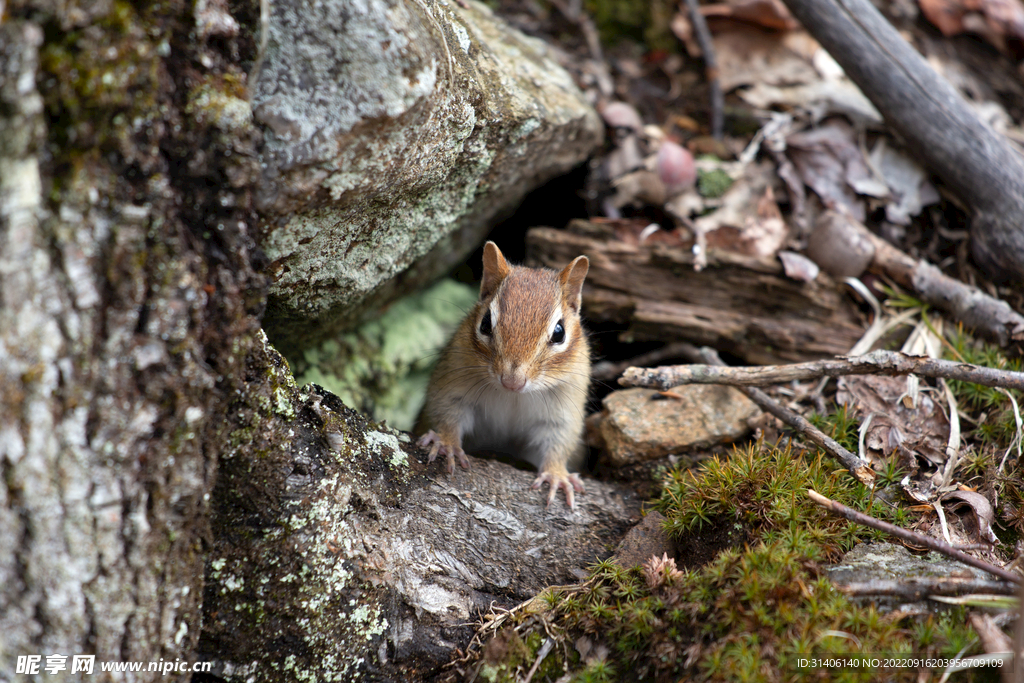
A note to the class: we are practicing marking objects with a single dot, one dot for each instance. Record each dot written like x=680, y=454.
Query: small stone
x=838, y=245
x=640, y=424
x=644, y=541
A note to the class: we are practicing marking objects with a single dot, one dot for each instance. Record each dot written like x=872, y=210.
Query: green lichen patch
x=383, y=367
x=286, y=566
x=222, y=102
x=713, y=183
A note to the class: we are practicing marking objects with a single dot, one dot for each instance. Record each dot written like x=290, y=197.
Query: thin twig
x=911, y=536
x=703, y=36
x=879, y=362
x=990, y=317
x=857, y=466
x=920, y=587
x=549, y=643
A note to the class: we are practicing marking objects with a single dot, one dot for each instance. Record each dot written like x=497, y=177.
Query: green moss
x=640, y=20
x=100, y=85
x=765, y=490
x=989, y=424
x=841, y=426
x=998, y=426
x=713, y=184
x=753, y=612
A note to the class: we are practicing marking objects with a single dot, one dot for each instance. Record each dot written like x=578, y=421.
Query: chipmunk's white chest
x=517, y=423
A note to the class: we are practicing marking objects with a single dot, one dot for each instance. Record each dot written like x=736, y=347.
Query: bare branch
x=875, y=363
x=707, y=46
x=606, y=370
x=857, y=466
x=911, y=536
x=920, y=587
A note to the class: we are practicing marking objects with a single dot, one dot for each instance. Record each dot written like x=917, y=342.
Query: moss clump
x=752, y=613
x=764, y=489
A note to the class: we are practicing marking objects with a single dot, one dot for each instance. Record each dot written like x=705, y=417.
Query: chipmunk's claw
x=450, y=451
x=560, y=480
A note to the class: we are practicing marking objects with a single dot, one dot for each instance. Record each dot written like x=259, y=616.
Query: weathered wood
x=335, y=549
x=740, y=305
x=977, y=163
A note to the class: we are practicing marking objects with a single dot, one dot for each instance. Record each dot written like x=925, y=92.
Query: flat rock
x=883, y=564
x=396, y=134
x=640, y=424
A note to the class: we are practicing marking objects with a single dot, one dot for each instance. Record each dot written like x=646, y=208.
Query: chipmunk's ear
x=571, y=278
x=496, y=268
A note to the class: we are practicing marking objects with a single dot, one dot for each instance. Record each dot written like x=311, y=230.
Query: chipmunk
x=514, y=377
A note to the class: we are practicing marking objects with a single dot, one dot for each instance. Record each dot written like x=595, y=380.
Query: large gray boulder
x=397, y=133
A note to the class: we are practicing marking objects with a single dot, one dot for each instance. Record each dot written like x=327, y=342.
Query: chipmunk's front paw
x=439, y=445
x=560, y=480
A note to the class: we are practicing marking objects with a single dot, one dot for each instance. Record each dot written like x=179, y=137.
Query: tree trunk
x=127, y=306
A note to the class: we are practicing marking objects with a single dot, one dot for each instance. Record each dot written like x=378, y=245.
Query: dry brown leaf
x=768, y=13
x=895, y=427
x=747, y=55
x=749, y=220
x=830, y=162
x=907, y=181
x=995, y=20
x=982, y=509
x=946, y=15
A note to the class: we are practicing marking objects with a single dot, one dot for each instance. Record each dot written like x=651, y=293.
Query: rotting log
x=338, y=555
x=740, y=305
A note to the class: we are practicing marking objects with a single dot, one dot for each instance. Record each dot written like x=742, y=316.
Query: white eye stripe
x=491, y=317
x=556, y=318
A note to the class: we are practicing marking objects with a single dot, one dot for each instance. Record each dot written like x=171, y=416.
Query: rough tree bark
x=127, y=305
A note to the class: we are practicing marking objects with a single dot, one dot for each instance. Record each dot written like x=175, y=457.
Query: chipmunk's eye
x=485, y=325
x=558, y=334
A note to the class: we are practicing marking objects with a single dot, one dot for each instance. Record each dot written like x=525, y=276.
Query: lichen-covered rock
x=396, y=133
x=641, y=424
